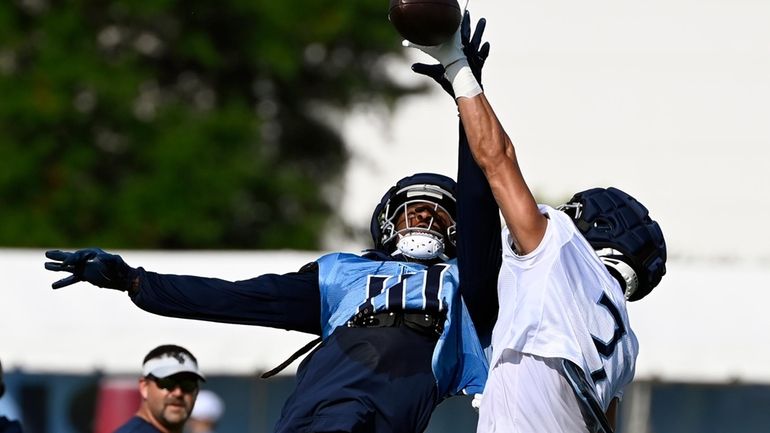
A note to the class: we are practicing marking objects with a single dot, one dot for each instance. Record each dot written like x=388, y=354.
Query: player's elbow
x=497, y=161
x=492, y=151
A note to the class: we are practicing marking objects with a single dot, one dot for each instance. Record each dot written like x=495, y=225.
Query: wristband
x=463, y=82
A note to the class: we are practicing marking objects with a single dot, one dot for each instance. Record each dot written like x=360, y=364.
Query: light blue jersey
x=350, y=284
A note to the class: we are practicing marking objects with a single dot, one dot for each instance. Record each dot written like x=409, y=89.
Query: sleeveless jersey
x=559, y=301
x=351, y=283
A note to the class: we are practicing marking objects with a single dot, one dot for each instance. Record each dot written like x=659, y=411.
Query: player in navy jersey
x=563, y=348
x=397, y=338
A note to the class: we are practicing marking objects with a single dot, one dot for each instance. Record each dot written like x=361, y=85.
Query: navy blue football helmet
x=624, y=236
x=434, y=238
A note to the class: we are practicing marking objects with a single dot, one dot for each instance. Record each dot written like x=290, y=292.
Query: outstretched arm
x=494, y=152
x=290, y=301
x=478, y=242
x=478, y=218
x=489, y=143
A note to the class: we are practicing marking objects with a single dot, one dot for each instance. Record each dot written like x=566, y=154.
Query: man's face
x=425, y=215
x=170, y=400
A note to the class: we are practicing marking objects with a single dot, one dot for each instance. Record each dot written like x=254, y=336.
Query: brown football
x=425, y=22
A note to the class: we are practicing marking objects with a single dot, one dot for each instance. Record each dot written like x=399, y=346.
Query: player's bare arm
x=494, y=152
x=489, y=143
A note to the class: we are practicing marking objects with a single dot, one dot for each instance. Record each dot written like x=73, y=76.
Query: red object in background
x=117, y=401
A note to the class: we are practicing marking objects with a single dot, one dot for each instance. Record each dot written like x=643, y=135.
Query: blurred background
x=235, y=138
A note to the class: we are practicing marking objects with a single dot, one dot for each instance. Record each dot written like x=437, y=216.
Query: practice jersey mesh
x=559, y=301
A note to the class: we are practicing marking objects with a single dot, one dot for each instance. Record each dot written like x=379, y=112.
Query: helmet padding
x=611, y=219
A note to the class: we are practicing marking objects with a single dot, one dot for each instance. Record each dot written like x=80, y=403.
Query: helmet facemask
x=428, y=237
x=617, y=264
x=420, y=229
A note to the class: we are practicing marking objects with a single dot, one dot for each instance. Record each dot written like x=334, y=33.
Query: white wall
x=707, y=321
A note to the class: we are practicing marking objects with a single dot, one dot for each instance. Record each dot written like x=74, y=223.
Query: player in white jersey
x=559, y=308
x=563, y=348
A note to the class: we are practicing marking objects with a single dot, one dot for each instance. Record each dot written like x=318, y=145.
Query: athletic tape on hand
x=463, y=82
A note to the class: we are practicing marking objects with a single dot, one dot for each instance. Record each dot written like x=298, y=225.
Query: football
x=425, y=22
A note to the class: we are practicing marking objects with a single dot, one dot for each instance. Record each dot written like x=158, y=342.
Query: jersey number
x=606, y=349
x=430, y=282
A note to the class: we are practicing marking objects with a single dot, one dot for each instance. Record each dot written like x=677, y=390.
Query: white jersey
x=559, y=301
x=529, y=394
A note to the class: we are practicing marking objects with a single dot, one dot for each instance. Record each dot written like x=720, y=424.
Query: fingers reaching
x=479, y=33
x=64, y=282
x=54, y=266
x=436, y=72
x=56, y=255
x=65, y=262
x=433, y=71
x=484, y=51
x=465, y=28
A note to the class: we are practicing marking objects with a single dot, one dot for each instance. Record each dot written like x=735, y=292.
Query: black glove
x=92, y=265
x=475, y=53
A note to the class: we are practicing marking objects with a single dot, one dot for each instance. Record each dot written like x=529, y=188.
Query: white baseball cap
x=208, y=406
x=169, y=364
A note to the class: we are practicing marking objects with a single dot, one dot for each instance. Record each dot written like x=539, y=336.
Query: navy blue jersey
x=8, y=426
x=350, y=284
x=291, y=301
x=325, y=296
x=373, y=380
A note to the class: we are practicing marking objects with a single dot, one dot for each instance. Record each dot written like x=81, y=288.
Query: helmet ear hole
x=603, y=225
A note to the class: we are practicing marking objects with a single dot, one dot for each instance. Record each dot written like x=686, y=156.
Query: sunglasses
x=171, y=383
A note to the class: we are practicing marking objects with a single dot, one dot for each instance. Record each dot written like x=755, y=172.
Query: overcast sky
x=666, y=99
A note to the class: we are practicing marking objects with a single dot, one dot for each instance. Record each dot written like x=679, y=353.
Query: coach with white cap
x=169, y=386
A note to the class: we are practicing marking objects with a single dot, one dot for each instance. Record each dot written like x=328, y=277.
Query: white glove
x=476, y=402
x=450, y=55
x=447, y=53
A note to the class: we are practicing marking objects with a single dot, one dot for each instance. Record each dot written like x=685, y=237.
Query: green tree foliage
x=180, y=123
